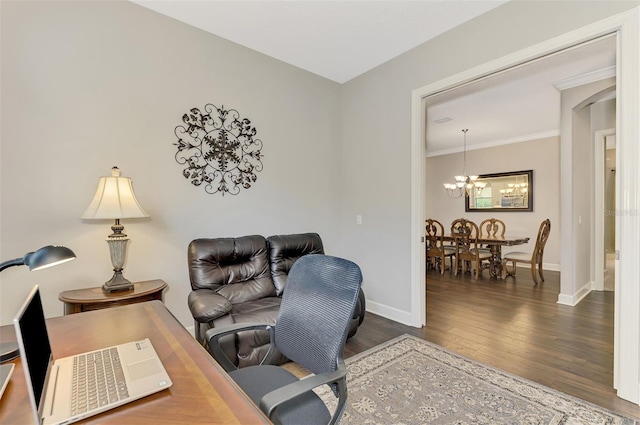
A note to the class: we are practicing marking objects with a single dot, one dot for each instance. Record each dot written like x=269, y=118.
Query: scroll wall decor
x=219, y=150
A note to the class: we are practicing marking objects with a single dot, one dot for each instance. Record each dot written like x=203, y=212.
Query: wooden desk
x=79, y=300
x=202, y=393
x=495, y=246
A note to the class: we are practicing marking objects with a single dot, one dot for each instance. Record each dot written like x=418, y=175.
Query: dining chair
x=466, y=234
x=492, y=227
x=437, y=251
x=534, y=259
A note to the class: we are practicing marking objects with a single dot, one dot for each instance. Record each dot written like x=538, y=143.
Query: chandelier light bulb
x=464, y=183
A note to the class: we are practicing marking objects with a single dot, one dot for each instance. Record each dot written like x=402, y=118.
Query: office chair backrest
x=311, y=328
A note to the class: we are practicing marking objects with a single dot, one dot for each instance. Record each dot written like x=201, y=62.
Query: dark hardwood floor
x=518, y=327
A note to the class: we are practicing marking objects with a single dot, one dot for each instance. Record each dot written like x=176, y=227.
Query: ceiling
x=517, y=105
x=340, y=40
x=335, y=39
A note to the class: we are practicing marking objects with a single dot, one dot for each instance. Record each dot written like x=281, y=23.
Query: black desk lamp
x=47, y=256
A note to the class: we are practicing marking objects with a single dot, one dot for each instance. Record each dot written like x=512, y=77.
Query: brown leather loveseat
x=241, y=280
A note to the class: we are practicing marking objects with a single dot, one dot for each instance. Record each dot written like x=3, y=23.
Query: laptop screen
x=31, y=331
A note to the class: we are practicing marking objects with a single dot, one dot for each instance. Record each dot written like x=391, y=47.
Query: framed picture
x=512, y=191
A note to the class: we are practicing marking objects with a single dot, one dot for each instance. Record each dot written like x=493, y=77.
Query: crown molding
x=494, y=143
x=582, y=79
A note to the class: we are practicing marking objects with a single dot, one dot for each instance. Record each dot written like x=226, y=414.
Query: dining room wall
x=540, y=155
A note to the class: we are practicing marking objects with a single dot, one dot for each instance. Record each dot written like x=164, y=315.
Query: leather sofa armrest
x=213, y=336
x=207, y=305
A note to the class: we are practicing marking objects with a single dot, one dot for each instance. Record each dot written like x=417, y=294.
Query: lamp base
x=8, y=351
x=117, y=283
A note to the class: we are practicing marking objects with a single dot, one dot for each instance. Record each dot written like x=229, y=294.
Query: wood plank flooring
x=518, y=327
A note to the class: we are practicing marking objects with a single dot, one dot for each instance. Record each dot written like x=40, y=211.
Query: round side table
x=79, y=300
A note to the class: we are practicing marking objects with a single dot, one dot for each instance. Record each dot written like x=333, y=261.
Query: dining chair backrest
x=541, y=241
x=534, y=259
x=437, y=252
x=492, y=227
x=434, y=233
x=466, y=235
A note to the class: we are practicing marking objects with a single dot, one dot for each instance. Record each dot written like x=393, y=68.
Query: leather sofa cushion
x=236, y=268
x=252, y=345
x=284, y=250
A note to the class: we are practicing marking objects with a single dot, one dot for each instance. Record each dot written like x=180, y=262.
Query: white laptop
x=51, y=385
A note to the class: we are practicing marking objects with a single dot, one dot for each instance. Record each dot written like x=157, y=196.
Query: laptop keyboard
x=98, y=381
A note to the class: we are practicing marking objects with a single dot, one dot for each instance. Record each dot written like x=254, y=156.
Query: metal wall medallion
x=219, y=150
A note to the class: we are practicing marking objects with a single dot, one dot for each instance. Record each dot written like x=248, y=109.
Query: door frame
x=599, y=216
x=627, y=298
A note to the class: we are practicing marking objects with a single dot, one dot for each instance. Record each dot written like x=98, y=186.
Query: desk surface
x=201, y=393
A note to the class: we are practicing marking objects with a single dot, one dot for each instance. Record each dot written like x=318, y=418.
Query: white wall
x=577, y=135
x=542, y=156
x=89, y=85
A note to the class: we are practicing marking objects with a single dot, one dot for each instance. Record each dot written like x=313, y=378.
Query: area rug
x=409, y=381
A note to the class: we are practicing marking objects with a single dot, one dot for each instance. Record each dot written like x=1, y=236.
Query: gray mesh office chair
x=311, y=330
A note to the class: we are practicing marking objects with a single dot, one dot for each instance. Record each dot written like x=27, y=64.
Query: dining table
x=495, y=244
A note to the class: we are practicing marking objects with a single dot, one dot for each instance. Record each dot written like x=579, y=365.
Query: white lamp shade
x=114, y=199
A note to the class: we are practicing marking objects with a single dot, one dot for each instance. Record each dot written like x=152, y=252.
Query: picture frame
x=501, y=192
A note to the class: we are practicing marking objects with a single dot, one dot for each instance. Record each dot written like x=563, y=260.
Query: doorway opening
x=605, y=210
x=626, y=25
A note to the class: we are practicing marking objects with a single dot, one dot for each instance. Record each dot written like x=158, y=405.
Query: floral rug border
x=563, y=409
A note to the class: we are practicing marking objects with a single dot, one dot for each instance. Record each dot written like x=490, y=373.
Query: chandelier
x=464, y=183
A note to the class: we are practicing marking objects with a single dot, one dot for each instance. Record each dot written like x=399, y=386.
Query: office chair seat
x=257, y=381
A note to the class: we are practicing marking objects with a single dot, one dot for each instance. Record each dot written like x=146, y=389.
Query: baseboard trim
x=390, y=313
x=573, y=300
x=191, y=329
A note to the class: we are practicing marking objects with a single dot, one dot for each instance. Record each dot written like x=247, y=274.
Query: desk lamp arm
x=15, y=262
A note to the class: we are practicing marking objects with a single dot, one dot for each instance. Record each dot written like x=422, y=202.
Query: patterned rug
x=410, y=381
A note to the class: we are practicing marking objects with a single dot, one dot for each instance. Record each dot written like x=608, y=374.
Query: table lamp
x=47, y=256
x=114, y=199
